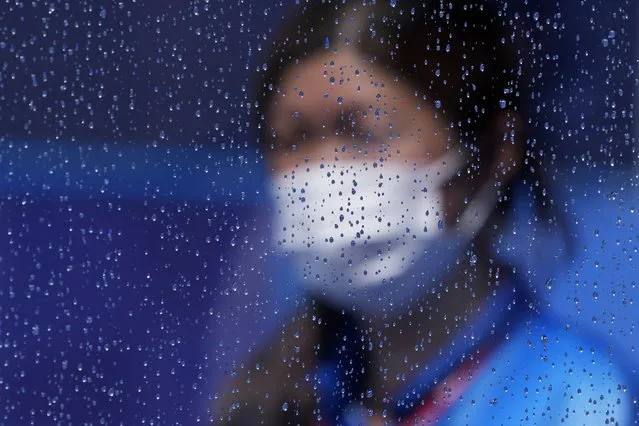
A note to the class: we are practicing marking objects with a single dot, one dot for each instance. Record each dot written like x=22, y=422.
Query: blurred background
x=133, y=266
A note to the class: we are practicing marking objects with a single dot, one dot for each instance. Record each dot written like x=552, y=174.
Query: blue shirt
x=533, y=370
x=546, y=375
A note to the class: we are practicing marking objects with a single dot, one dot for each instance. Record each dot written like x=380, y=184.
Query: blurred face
x=373, y=194
x=335, y=108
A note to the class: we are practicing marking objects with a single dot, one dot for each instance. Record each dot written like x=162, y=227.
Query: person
x=395, y=138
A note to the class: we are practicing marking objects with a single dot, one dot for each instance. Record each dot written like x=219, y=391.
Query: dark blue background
x=133, y=216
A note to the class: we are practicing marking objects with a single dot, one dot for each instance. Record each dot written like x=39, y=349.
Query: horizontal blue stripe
x=135, y=170
x=119, y=170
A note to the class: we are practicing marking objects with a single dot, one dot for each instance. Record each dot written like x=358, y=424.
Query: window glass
x=318, y=212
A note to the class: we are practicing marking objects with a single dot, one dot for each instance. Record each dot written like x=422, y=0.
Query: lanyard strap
x=433, y=392
x=468, y=351
x=443, y=397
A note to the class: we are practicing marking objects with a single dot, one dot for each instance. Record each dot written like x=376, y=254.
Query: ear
x=508, y=159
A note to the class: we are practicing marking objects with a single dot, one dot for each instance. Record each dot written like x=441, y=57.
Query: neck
x=404, y=344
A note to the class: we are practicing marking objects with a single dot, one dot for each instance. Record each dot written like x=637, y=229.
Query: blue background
x=132, y=216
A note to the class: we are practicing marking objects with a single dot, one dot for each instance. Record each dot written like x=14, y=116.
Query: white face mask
x=372, y=236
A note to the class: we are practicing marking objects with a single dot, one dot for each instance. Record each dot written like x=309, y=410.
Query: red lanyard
x=448, y=391
x=443, y=397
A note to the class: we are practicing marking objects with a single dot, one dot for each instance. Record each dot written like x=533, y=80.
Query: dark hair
x=457, y=55
x=461, y=56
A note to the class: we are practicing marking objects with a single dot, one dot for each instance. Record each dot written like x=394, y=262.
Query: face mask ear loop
x=450, y=164
x=479, y=209
x=476, y=214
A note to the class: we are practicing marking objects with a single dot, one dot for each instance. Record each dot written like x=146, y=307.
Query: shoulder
x=270, y=386
x=548, y=374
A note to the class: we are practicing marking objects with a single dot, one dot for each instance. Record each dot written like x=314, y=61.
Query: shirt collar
x=488, y=328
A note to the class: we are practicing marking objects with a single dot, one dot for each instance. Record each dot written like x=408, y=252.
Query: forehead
x=342, y=98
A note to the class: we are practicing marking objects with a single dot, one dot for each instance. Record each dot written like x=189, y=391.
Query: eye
x=361, y=133
x=349, y=126
x=305, y=134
